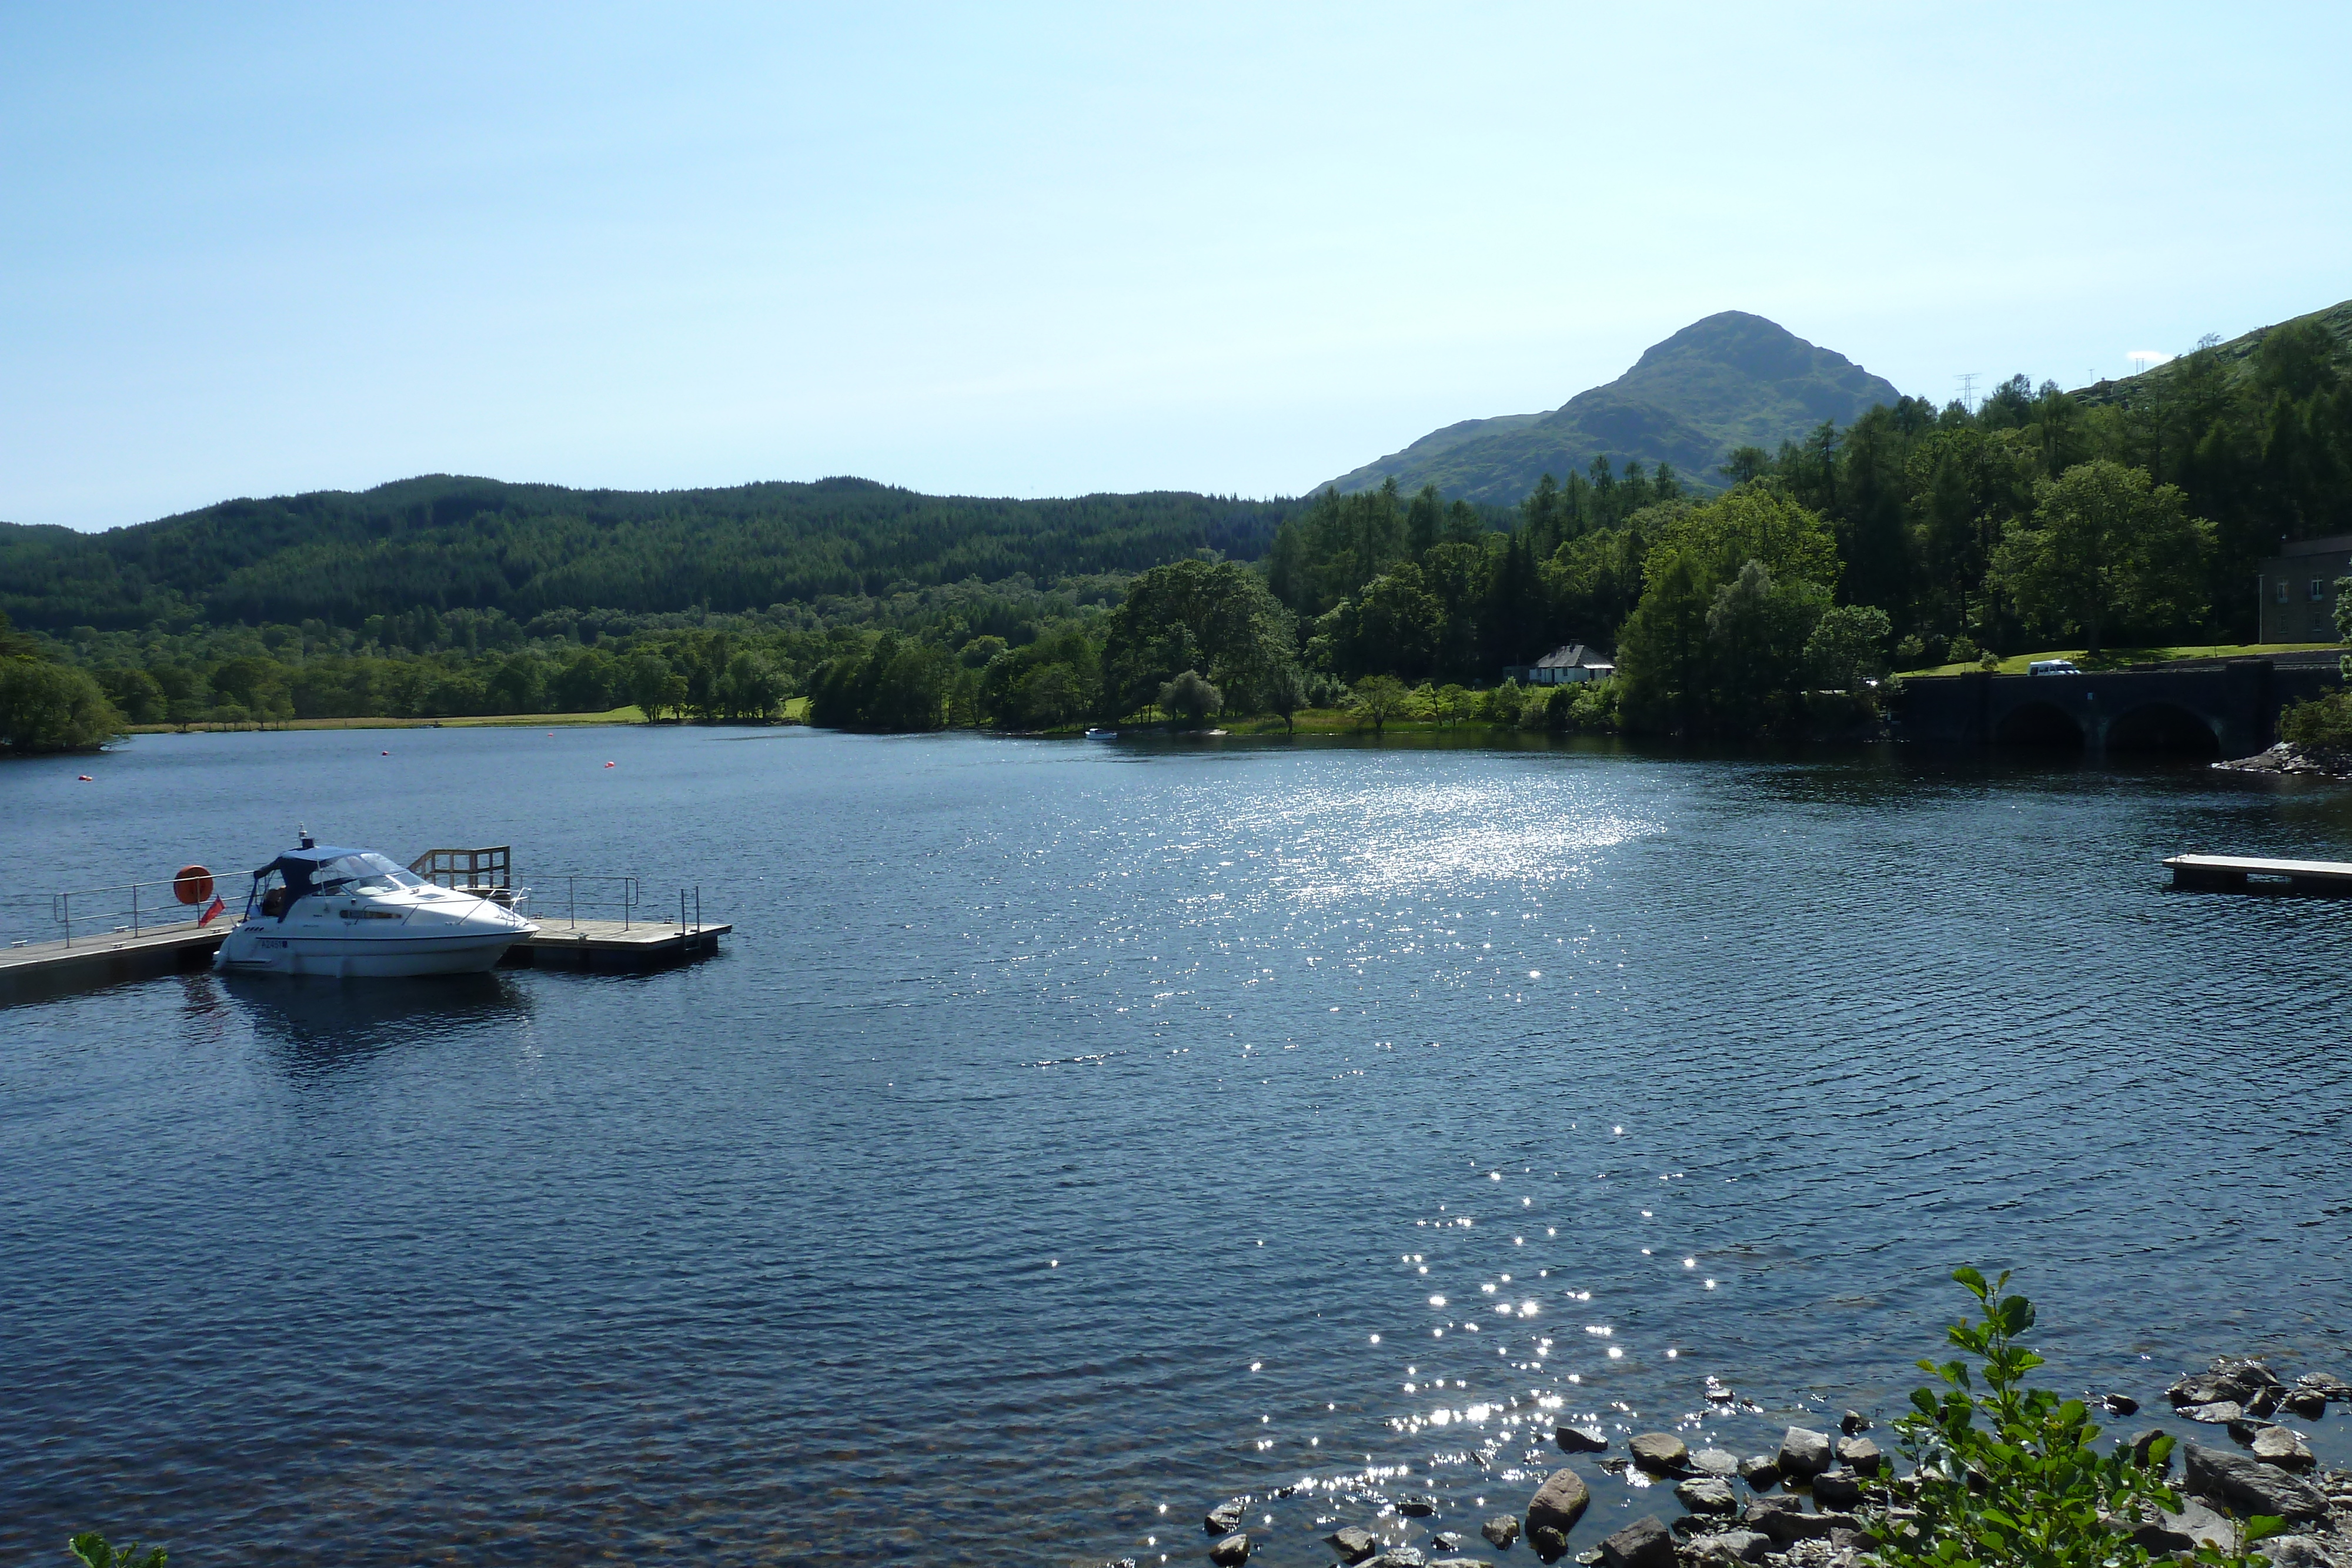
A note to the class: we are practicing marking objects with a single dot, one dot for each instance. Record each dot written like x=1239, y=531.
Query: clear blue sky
x=1026, y=250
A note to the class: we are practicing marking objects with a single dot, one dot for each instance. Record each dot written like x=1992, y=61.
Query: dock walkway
x=48, y=967
x=2252, y=874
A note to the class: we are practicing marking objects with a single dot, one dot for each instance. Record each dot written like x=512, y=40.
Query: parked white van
x=2053, y=667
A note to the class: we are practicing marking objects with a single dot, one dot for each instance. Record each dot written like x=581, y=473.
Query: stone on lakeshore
x=2143, y=1441
x=1836, y=1489
x=2308, y=1403
x=1853, y=1421
x=1719, y=1462
x=1419, y=1507
x=1644, y=1543
x=2120, y=1405
x=1231, y=1553
x=1861, y=1455
x=1444, y=1541
x=1550, y=1543
x=1353, y=1543
x=2215, y=1413
x=1805, y=1452
x=1760, y=1471
x=1398, y=1557
x=2195, y=1525
x=1500, y=1532
x=2282, y=1447
x=1581, y=1439
x=1459, y=1562
x=1708, y=1494
x=1558, y=1504
x=2326, y=1387
x=2249, y=1486
x=1226, y=1517
x=2263, y=1401
x=1659, y=1453
x=2299, y=1552
x=1733, y=1546
x=2196, y=1388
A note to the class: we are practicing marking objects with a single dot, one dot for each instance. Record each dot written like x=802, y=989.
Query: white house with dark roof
x=1564, y=666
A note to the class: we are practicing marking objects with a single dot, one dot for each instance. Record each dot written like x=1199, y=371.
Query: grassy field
x=2116, y=658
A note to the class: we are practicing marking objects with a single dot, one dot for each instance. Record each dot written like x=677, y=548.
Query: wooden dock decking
x=50, y=968
x=104, y=958
x=2252, y=874
x=609, y=944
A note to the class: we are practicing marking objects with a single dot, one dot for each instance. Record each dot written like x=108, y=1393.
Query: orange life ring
x=194, y=884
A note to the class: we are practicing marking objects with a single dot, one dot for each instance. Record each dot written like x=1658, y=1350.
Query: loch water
x=1072, y=1135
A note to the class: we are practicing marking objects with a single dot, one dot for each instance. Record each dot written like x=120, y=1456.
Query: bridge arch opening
x=2165, y=727
x=2038, y=723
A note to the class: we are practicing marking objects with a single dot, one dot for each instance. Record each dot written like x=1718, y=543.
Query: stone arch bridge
x=2220, y=708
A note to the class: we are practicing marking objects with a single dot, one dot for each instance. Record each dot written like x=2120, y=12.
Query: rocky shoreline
x=1753, y=1509
x=2288, y=758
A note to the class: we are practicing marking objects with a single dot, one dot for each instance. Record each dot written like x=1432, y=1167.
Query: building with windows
x=2297, y=590
x=1564, y=666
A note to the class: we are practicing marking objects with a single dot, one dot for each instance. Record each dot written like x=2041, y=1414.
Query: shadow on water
x=314, y=1026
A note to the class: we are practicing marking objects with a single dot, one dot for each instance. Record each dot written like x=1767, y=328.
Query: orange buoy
x=193, y=884
x=611, y=765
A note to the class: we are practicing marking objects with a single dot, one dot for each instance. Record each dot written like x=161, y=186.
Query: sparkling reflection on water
x=1072, y=1133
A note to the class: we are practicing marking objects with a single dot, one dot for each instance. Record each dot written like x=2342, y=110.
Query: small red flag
x=206, y=917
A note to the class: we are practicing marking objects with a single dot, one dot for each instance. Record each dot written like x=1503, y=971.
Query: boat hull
x=251, y=951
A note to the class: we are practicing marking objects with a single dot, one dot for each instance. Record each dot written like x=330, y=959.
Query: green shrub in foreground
x=2011, y=1475
x=92, y=1549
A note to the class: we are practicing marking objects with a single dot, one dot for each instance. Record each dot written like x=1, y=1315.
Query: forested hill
x=1732, y=380
x=2226, y=364
x=448, y=542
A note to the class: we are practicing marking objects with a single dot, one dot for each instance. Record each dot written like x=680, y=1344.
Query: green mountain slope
x=1732, y=380
x=449, y=542
x=2236, y=356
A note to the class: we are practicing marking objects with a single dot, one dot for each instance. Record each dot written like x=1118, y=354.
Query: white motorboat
x=321, y=910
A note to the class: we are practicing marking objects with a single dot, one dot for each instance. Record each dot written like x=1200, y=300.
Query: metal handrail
x=125, y=902
x=596, y=889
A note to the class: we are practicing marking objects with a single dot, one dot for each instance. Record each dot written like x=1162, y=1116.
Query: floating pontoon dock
x=569, y=911
x=2250, y=873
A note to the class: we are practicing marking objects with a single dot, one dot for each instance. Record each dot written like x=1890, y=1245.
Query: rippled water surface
x=1072, y=1131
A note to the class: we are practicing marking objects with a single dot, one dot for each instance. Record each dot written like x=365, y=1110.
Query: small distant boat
x=323, y=910
x=1101, y=734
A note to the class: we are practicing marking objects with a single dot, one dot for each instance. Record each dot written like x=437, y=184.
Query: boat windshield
x=365, y=873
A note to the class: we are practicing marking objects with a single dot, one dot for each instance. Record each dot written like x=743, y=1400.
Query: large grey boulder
x=1398, y=1557
x=1559, y=1503
x=2282, y=1447
x=1861, y=1455
x=1805, y=1452
x=2195, y=1525
x=1417, y=1507
x=1226, y=1517
x=1644, y=1543
x=1459, y=1562
x=1550, y=1544
x=1500, y=1532
x=1231, y=1553
x=2218, y=1413
x=1708, y=1494
x=1581, y=1439
x=1760, y=1471
x=1852, y=1422
x=1716, y=1462
x=2248, y=1486
x=1661, y=1453
x=1837, y=1490
x=1353, y=1543
x=1732, y=1546
x=2300, y=1551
